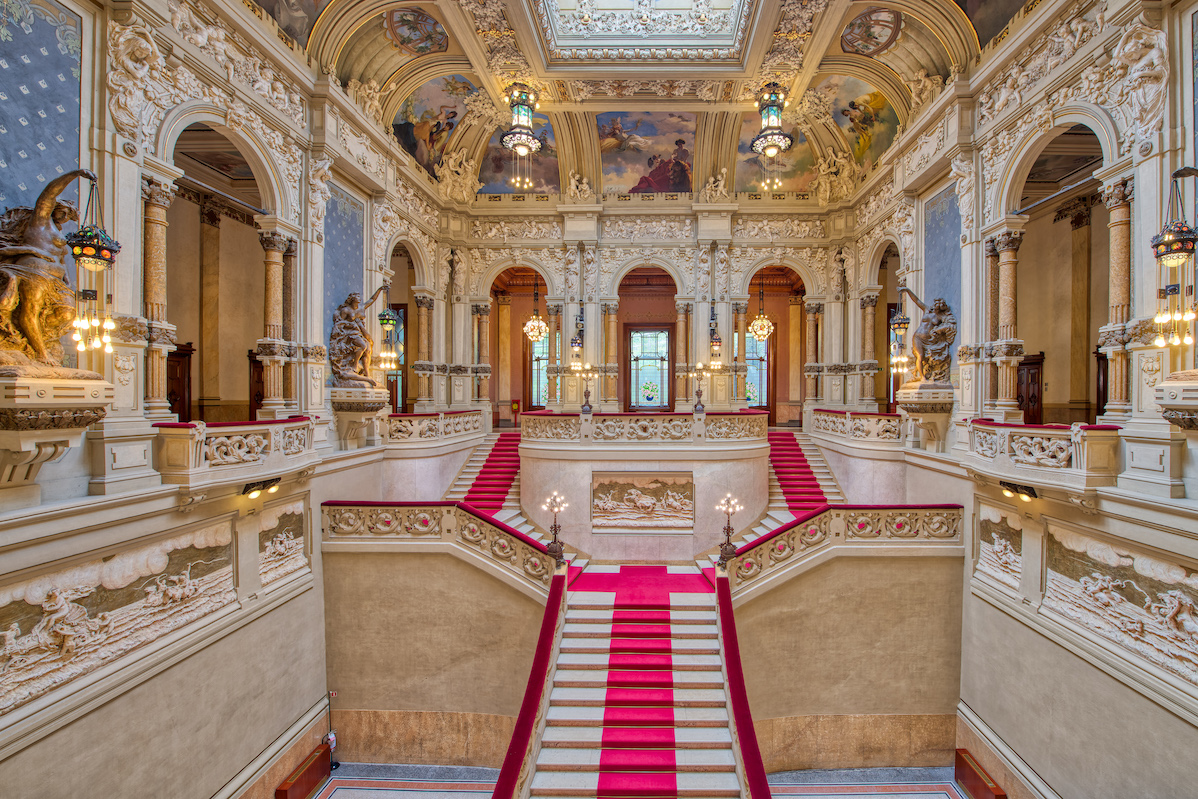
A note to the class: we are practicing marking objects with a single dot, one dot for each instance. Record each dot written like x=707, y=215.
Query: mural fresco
x=344, y=250
x=989, y=17
x=942, y=251
x=429, y=116
x=869, y=122
x=62, y=625
x=295, y=17
x=798, y=163
x=646, y=151
x=413, y=32
x=657, y=500
x=1128, y=597
x=871, y=32
x=496, y=171
x=39, y=99
x=1000, y=536
x=281, y=541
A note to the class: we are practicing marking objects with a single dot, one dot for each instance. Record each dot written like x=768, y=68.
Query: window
x=538, y=372
x=757, y=365
x=649, y=353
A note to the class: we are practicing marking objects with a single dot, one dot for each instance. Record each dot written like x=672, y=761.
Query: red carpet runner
x=495, y=479
x=638, y=707
x=797, y=481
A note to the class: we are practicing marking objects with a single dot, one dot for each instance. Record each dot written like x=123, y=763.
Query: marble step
x=676, y=717
x=629, y=759
x=638, y=697
x=604, y=678
x=605, y=616
x=603, y=661
x=630, y=630
x=683, y=737
x=682, y=784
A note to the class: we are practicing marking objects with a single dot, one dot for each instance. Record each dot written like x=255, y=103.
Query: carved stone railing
x=195, y=454
x=858, y=426
x=452, y=523
x=933, y=527
x=621, y=429
x=423, y=429
x=1076, y=457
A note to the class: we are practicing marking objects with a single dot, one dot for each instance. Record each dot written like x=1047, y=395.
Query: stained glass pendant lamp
x=772, y=141
x=1173, y=249
x=535, y=328
x=95, y=251
x=520, y=139
x=761, y=327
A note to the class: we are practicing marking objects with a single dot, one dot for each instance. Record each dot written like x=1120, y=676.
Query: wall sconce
x=716, y=342
x=576, y=341
x=1012, y=490
x=254, y=490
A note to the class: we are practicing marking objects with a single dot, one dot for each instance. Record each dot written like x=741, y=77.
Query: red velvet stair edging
x=490, y=488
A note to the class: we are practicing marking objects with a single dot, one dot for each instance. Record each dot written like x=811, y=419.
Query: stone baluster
x=270, y=346
x=157, y=199
x=991, y=320
x=740, y=311
x=680, y=350
x=483, y=314
x=869, y=320
x=424, y=313
x=610, y=349
x=1009, y=349
x=1112, y=337
x=554, y=312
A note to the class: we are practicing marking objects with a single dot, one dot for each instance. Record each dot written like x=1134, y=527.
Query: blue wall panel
x=942, y=253
x=344, y=255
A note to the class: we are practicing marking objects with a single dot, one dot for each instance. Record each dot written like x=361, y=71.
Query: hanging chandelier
x=1173, y=249
x=899, y=322
x=535, y=328
x=388, y=319
x=95, y=251
x=761, y=327
x=772, y=141
x=520, y=139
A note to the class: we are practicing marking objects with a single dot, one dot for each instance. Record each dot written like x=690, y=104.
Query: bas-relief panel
x=428, y=117
x=1134, y=600
x=865, y=116
x=1000, y=539
x=281, y=541
x=646, y=151
x=39, y=98
x=656, y=501
x=499, y=165
x=797, y=164
x=344, y=251
x=942, y=251
x=63, y=624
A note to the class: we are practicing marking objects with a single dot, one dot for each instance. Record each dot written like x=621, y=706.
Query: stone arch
x=681, y=285
x=488, y=277
x=267, y=173
x=1028, y=149
x=871, y=260
x=813, y=286
x=421, y=260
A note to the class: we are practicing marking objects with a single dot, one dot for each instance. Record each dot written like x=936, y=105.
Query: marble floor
x=372, y=781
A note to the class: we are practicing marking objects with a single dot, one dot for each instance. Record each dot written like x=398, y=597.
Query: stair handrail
x=820, y=509
x=738, y=697
x=514, y=780
x=440, y=503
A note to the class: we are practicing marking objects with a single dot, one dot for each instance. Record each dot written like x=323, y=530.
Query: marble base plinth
x=930, y=407
x=356, y=411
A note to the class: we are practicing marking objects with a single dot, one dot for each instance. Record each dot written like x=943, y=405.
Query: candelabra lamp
x=555, y=504
x=728, y=506
x=697, y=374
x=587, y=373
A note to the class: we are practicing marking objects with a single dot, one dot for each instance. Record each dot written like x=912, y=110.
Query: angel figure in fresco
x=863, y=114
x=615, y=138
x=350, y=345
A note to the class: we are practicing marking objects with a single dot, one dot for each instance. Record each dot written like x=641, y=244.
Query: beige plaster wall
x=856, y=663
x=190, y=729
x=425, y=651
x=1085, y=733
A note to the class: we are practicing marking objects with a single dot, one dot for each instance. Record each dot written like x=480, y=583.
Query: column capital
x=681, y=307
x=503, y=299
x=424, y=302
x=292, y=249
x=273, y=241
x=815, y=308
x=869, y=300
x=740, y=307
x=553, y=309
x=795, y=299
x=610, y=307
x=1009, y=240
x=156, y=192
x=1077, y=211
x=1120, y=192
x=210, y=212
x=991, y=248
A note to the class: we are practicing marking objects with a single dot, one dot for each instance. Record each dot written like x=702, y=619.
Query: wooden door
x=178, y=380
x=257, y=386
x=1031, y=388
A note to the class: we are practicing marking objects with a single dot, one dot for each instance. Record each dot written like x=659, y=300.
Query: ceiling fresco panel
x=498, y=164
x=798, y=163
x=428, y=117
x=646, y=151
x=866, y=117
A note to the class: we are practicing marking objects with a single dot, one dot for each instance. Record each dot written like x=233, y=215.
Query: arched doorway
x=1061, y=282
x=400, y=385
x=650, y=342
x=216, y=283
x=773, y=379
x=889, y=304
x=523, y=372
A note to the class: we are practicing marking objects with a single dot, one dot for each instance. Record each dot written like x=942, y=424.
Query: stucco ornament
x=319, y=192
x=923, y=88
x=932, y=341
x=350, y=343
x=579, y=189
x=458, y=177
x=368, y=96
x=962, y=172
x=36, y=304
x=716, y=188
x=1144, y=53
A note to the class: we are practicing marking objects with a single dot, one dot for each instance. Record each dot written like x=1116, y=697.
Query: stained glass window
x=757, y=378
x=649, y=351
x=539, y=379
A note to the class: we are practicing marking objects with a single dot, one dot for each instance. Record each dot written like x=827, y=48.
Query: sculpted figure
x=36, y=304
x=931, y=343
x=350, y=345
x=1143, y=51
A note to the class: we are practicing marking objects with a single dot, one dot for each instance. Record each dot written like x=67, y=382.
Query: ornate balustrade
x=933, y=527
x=858, y=426
x=423, y=429
x=195, y=454
x=604, y=429
x=452, y=523
x=1077, y=457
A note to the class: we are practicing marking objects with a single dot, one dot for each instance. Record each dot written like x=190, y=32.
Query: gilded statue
x=36, y=303
x=932, y=341
x=350, y=344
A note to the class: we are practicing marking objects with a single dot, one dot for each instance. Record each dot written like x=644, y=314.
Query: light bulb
x=1159, y=341
x=1006, y=492
x=1177, y=316
x=109, y=324
x=82, y=347
x=1189, y=315
x=1159, y=318
x=771, y=151
x=1188, y=339
x=1174, y=339
x=95, y=320
x=108, y=348
x=76, y=337
x=521, y=150
x=272, y=490
x=106, y=338
x=255, y=494
x=95, y=343
x=1025, y=497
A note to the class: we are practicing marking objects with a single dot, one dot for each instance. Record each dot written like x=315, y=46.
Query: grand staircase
x=638, y=706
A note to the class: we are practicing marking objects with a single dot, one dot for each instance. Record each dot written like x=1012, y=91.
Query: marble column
x=157, y=199
x=1112, y=338
x=611, y=350
x=503, y=386
x=554, y=312
x=991, y=321
x=1009, y=349
x=208, y=348
x=814, y=309
x=869, y=320
x=740, y=312
x=423, y=365
x=291, y=365
x=680, y=358
x=483, y=315
x=270, y=346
